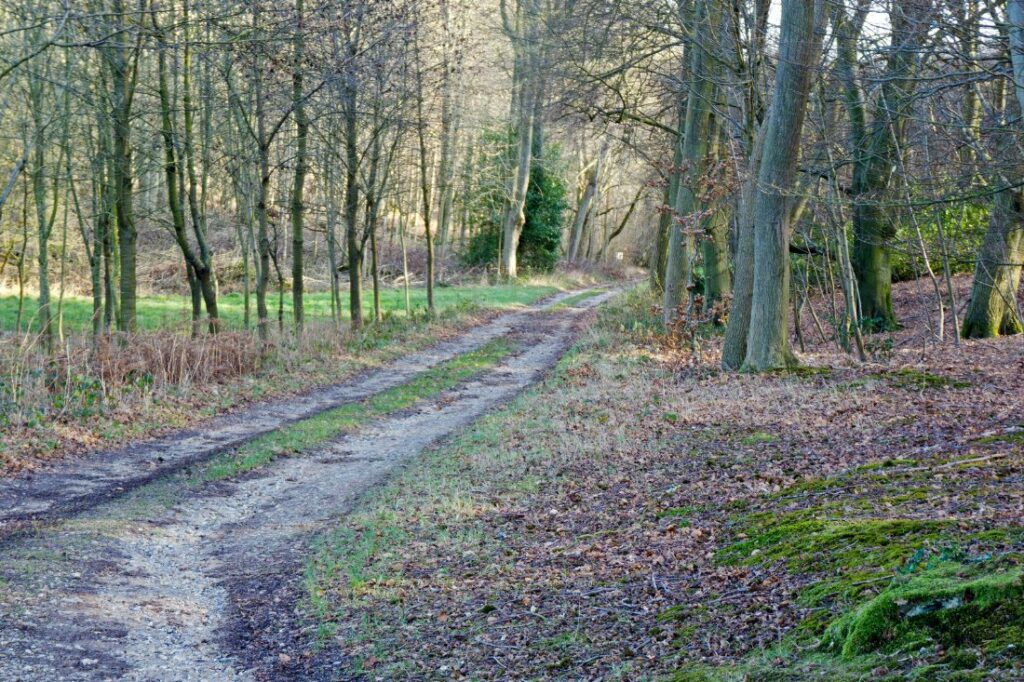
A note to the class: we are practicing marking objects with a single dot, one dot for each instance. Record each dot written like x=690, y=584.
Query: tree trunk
x=524, y=105
x=585, y=208
x=659, y=257
x=993, y=308
x=301, y=133
x=874, y=151
x=696, y=143
x=123, y=84
x=799, y=49
x=353, y=243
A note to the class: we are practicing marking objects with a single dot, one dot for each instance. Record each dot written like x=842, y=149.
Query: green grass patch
x=307, y=433
x=1010, y=436
x=576, y=299
x=168, y=312
x=917, y=380
x=757, y=437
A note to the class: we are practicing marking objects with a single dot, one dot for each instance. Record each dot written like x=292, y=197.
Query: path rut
x=154, y=584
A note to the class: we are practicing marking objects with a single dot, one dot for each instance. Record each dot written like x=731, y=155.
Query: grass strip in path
x=331, y=424
x=576, y=299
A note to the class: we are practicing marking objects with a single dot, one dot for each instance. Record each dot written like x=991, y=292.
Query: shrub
x=545, y=208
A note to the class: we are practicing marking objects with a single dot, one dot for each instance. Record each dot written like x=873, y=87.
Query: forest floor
x=182, y=558
x=637, y=515
x=641, y=515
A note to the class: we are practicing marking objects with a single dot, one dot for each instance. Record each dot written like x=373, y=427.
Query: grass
x=435, y=503
x=348, y=417
x=576, y=299
x=164, y=311
x=128, y=410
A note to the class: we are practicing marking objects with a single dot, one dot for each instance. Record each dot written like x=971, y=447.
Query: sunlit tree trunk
x=993, y=308
x=799, y=49
x=523, y=33
x=699, y=133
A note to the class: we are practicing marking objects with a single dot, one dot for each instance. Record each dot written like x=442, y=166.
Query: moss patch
x=952, y=606
x=918, y=380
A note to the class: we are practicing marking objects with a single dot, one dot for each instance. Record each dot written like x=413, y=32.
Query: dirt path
x=77, y=485
x=163, y=583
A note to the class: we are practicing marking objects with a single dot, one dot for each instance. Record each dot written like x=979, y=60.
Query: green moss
x=803, y=371
x=886, y=464
x=943, y=606
x=757, y=437
x=1011, y=436
x=699, y=674
x=824, y=544
x=913, y=379
x=677, y=512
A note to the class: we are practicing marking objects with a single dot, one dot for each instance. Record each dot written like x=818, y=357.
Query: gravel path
x=76, y=485
x=165, y=582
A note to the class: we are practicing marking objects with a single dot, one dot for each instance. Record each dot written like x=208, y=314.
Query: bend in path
x=76, y=485
x=207, y=590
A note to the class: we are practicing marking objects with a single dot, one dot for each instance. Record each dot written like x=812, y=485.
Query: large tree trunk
x=451, y=65
x=515, y=214
x=44, y=218
x=993, y=308
x=524, y=108
x=875, y=148
x=715, y=247
x=204, y=269
x=583, y=211
x=799, y=50
x=659, y=255
x=353, y=243
x=122, y=76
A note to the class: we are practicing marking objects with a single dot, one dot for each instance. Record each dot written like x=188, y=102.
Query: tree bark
x=993, y=308
x=301, y=133
x=799, y=49
x=875, y=148
x=699, y=132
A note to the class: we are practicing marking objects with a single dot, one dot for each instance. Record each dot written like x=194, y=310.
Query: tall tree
x=874, y=145
x=993, y=309
x=800, y=40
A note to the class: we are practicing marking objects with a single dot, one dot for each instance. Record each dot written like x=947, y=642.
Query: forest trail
x=141, y=575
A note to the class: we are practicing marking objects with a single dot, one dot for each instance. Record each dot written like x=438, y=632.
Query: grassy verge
x=331, y=424
x=637, y=517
